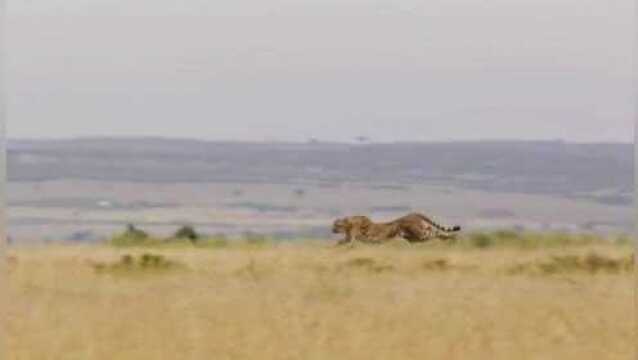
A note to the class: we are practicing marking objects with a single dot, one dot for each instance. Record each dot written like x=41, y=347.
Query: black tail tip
x=456, y=228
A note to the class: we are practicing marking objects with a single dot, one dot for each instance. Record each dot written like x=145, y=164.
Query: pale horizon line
x=312, y=140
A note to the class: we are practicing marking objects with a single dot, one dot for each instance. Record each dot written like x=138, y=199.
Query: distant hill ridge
x=602, y=172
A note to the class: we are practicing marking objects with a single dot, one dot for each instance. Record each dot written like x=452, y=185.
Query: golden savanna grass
x=313, y=301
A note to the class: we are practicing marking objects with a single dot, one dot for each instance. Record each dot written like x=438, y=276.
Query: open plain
x=311, y=300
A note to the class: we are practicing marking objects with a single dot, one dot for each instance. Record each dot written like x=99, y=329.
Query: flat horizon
x=308, y=141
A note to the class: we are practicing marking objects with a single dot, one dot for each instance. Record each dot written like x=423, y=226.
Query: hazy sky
x=328, y=69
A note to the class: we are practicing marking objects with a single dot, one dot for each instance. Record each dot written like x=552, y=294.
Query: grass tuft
x=436, y=265
x=368, y=264
x=592, y=263
x=129, y=264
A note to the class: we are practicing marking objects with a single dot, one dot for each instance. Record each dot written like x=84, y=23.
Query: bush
x=187, y=232
x=133, y=232
x=132, y=236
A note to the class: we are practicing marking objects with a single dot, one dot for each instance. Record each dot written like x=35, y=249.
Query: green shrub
x=132, y=236
x=187, y=232
x=133, y=232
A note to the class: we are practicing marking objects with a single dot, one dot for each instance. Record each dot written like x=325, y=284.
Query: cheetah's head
x=344, y=225
x=340, y=226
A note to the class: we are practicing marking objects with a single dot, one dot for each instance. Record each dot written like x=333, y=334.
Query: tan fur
x=413, y=227
x=354, y=227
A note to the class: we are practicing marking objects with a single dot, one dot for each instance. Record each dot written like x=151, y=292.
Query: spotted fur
x=414, y=227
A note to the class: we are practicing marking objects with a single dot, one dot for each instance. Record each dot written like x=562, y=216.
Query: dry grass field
x=313, y=301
